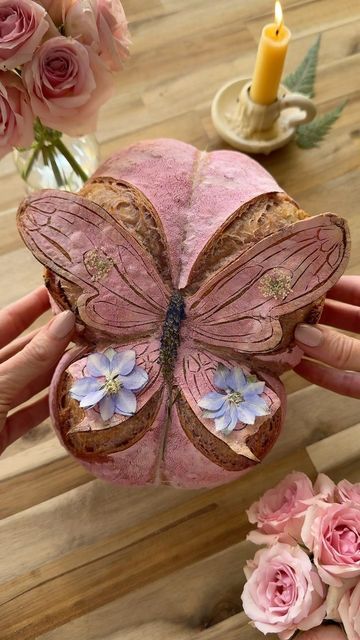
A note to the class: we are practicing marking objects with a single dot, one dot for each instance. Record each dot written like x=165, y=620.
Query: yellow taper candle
x=270, y=59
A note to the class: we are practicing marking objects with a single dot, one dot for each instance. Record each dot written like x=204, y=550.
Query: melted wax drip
x=170, y=338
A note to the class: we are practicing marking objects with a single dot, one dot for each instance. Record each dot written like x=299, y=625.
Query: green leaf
x=303, y=78
x=309, y=135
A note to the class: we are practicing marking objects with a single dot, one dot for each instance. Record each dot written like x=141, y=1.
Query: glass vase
x=57, y=161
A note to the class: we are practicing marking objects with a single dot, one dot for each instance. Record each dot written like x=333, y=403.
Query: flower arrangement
x=57, y=64
x=307, y=578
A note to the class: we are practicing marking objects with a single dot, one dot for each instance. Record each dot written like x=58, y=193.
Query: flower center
x=235, y=397
x=112, y=385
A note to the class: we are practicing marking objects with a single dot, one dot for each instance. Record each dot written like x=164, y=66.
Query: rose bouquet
x=307, y=577
x=57, y=64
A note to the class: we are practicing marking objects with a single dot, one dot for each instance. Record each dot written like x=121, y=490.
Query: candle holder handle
x=257, y=128
x=306, y=110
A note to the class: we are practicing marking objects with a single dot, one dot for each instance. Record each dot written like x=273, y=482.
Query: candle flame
x=278, y=15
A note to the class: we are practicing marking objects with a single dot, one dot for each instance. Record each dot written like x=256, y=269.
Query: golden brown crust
x=92, y=444
x=217, y=450
x=134, y=212
x=253, y=222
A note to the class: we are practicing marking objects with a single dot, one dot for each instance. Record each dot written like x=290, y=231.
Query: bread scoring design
x=133, y=279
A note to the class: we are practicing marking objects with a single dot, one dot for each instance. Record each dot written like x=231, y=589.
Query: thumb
x=331, y=347
x=38, y=357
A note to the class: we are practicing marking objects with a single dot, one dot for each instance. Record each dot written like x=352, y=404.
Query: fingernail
x=308, y=335
x=62, y=324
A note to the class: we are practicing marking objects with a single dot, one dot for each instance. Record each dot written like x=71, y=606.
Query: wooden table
x=81, y=560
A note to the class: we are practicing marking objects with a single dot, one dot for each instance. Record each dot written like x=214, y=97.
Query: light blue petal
x=98, y=364
x=107, y=407
x=110, y=353
x=91, y=399
x=215, y=414
x=220, y=377
x=125, y=402
x=258, y=407
x=123, y=363
x=236, y=379
x=228, y=422
x=84, y=386
x=212, y=401
x=136, y=380
x=245, y=414
x=254, y=388
x=253, y=398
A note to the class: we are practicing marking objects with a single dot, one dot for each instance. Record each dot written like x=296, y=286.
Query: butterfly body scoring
x=179, y=336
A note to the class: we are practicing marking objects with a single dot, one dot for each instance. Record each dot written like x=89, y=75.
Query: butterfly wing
x=228, y=453
x=125, y=448
x=121, y=290
x=241, y=306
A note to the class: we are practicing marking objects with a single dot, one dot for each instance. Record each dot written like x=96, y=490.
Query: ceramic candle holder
x=257, y=128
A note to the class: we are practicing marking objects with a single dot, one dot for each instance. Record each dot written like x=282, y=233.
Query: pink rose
x=56, y=9
x=334, y=596
x=280, y=512
x=16, y=117
x=23, y=25
x=324, y=487
x=349, y=610
x=348, y=492
x=283, y=591
x=67, y=84
x=332, y=533
x=102, y=25
x=326, y=632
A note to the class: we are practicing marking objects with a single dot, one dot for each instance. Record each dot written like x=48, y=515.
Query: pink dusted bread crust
x=193, y=201
x=195, y=193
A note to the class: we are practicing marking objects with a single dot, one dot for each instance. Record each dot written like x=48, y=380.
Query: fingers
x=22, y=421
x=328, y=632
x=342, y=316
x=18, y=316
x=16, y=345
x=347, y=383
x=330, y=347
x=346, y=290
x=33, y=365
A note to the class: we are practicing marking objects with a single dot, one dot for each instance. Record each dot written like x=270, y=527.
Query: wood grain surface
x=87, y=561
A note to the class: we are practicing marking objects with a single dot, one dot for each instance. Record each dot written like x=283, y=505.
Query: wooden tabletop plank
x=82, y=559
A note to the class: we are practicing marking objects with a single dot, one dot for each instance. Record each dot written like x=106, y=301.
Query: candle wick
x=277, y=31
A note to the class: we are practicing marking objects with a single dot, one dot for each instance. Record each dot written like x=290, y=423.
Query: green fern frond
x=302, y=79
x=309, y=135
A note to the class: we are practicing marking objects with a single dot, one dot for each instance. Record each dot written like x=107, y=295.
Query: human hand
x=28, y=363
x=326, y=632
x=329, y=347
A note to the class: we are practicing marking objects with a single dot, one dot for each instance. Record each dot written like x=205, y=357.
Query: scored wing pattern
x=82, y=243
x=243, y=304
x=237, y=312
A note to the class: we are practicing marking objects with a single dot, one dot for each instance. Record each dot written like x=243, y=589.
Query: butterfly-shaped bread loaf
x=188, y=272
